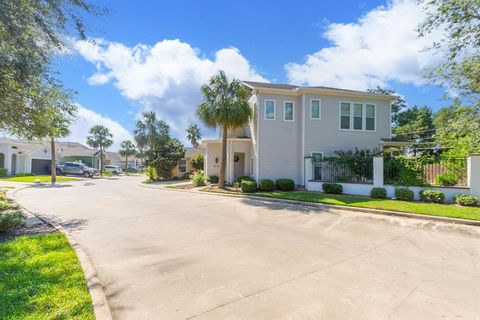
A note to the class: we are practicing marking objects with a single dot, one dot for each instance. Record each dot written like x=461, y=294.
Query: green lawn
x=41, y=278
x=31, y=179
x=443, y=210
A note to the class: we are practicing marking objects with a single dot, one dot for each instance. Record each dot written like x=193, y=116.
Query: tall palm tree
x=149, y=131
x=100, y=138
x=225, y=105
x=194, y=135
x=127, y=148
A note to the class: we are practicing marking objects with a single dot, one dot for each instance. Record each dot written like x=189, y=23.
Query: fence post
x=378, y=171
x=308, y=174
x=473, y=174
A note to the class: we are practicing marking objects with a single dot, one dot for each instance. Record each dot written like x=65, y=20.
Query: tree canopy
x=100, y=138
x=194, y=135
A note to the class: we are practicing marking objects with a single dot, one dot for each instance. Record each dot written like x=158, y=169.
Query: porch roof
x=242, y=139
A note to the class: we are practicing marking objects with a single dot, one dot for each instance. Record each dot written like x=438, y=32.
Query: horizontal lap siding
x=324, y=135
x=280, y=141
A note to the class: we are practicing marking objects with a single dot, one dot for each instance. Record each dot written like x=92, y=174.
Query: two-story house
x=292, y=122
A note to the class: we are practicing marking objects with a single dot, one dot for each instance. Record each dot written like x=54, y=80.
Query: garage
x=40, y=166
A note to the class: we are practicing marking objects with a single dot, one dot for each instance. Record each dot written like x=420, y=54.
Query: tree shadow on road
x=299, y=208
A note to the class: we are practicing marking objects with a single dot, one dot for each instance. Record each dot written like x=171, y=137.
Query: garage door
x=40, y=166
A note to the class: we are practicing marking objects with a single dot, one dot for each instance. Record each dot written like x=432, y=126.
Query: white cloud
x=87, y=118
x=381, y=46
x=165, y=77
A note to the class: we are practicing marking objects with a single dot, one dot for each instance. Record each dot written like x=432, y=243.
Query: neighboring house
x=24, y=157
x=35, y=157
x=292, y=123
x=185, y=164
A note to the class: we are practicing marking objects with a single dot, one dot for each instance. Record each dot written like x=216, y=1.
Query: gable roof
x=289, y=88
x=190, y=152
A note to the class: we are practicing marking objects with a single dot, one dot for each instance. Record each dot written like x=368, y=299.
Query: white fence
x=473, y=181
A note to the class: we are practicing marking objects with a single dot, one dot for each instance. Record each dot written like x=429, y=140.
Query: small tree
x=197, y=161
x=100, y=138
x=194, y=135
x=225, y=105
x=127, y=148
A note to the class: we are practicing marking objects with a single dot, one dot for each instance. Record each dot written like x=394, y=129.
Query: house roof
x=68, y=149
x=264, y=86
x=190, y=152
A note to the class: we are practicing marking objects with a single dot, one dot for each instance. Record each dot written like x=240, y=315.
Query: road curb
x=101, y=308
x=328, y=206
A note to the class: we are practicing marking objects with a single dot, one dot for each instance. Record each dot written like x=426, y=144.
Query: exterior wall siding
x=325, y=135
x=279, y=140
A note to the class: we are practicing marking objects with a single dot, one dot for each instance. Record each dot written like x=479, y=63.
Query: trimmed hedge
x=213, y=179
x=466, y=200
x=248, y=186
x=434, y=196
x=3, y=172
x=404, y=194
x=285, y=184
x=244, y=178
x=266, y=185
x=379, y=193
x=333, y=188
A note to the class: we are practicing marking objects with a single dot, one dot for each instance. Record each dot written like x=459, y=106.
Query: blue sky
x=154, y=55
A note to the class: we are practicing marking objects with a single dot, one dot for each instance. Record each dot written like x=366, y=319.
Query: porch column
x=8, y=161
x=378, y=171
x=473, y=174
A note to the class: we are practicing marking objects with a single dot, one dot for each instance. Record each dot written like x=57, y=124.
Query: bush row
x=249, y=185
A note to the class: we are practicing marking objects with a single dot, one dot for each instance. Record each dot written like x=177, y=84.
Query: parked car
x=77, y=169
x=131, y=169
x=113, y=169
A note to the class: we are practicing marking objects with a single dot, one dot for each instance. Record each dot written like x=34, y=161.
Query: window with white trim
x=357, y=116
x=182, y=165
x=315, y=109
x=288, y=111
x=370, y=117
x=269, y=110
x=345, y=115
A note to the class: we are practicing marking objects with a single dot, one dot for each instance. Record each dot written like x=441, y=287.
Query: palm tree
x=194, y=135
x=225, y=105
x=149, y=131
x=100, y=138
x=127, y=148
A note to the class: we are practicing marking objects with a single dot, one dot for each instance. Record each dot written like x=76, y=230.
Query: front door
x=238, y=164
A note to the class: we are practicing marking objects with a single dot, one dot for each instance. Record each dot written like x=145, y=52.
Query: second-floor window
x=288, y=110
x=315, y=109
x=345, y=116
x=357, y=116
x=269, y=110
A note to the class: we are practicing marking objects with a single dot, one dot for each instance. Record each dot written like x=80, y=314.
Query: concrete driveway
x=165, y=254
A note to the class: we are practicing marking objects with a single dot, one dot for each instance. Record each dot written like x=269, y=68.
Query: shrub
x=4, y=205
x=466, y=200
x=198, y=179
x=266, y=185
x=107, y=174
x=285, y=184
x=185, y=176
x=197, y=161
x=3, y=172
x=248, y=186
x=213, y=179
x=244, y=178
x=429, y=195
x=236, y=184
x=379, y=193
x=404, y=194
x=447, y=179
x=10, y=220
x=151, y=173
x=333, y=188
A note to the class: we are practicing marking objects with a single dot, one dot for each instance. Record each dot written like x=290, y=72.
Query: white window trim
x=184, y=159
x=319, y=109
x=293, y=111
x=312, y=152
x=265, y=109
x=364, y=116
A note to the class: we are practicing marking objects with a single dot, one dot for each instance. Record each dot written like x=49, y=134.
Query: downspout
x=302, y=158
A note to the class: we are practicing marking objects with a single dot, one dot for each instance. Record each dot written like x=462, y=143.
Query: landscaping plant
x=151, y=173
x=248, y=186
x=285, y=184
x=11, y=219
x=3, y=172
x=434, y=196
x=199, y=179
x=404, y=194
x=466, y=200
x=197, y=161
x=333, y=188
x=378, y=193
x=213, y=179
x=447, y=179
x=266, y=185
